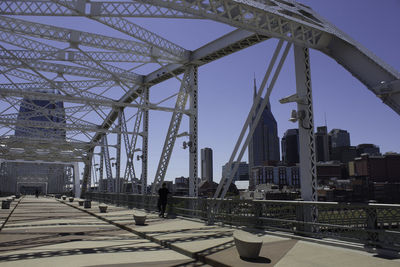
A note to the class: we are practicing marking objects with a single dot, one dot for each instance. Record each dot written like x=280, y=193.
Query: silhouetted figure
x=37, y=193
x=163, y=199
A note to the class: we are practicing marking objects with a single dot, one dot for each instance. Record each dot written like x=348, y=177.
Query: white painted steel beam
x=98, y=9
x=72, y=36
x=77, y=182
x=193, y=133
x=61, y=69
x=307, y=155
x=294, y=24
x=173, y=129
x=94, y=102
x=76, y=56
x=145, y=142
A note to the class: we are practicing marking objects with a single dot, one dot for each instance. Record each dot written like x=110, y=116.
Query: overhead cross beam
x=98, y=9
x=74, y=37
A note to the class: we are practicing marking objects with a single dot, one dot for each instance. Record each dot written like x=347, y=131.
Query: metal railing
x=371, y=224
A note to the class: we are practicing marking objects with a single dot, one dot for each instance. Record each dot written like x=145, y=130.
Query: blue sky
x=226, y=86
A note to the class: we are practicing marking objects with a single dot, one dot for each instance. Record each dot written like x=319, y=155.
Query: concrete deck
x=49, y=232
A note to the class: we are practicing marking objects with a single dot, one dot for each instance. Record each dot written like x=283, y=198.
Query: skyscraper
x=264, y=145
x=242, y=173
x=339, y=138
x=290, y=147
x=35, y=110
x=322, y=143
x=206, y=164
x=27, y=177
x=370, y=149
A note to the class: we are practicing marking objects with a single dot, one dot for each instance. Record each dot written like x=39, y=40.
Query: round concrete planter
x=103, y=208
x=87, y=204
x=80, y=202
x=247, y=245
x=71, y=199
x=5, y=204
x=64, y=197
x=140, y=218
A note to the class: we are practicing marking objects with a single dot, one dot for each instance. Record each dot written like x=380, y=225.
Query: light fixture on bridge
x=187, y=144
x=297, y=115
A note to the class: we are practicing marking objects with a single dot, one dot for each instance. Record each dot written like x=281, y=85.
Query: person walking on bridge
x=163, y=199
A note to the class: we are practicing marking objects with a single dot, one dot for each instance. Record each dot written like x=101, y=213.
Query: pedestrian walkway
x=45, y=232
x=50, y=232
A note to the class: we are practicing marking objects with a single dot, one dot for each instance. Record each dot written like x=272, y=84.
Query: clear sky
x=226, y=86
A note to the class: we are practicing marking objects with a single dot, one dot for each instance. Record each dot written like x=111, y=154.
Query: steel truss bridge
x=93, y=75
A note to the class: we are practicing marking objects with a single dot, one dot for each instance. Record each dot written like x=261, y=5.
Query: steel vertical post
x=145, y=140
x=86, y=180
x=77, y=183
x=101, y=183
x=308, y=172
x=118, y=160
x=308, y=168
x=193, y=147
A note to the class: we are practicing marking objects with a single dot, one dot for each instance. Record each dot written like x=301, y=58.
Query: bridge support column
x=118, y=160
x=193, y=148
x=86, y=180
x=145, y=138
x=308, y=168
x=77, y=182
x=101, y=182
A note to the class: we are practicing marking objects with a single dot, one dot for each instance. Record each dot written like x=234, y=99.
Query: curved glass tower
x=41, y=120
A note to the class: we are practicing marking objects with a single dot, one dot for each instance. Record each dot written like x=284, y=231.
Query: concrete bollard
x=140, y=218
x=5, y=204
x=87, y=204
x=247, y=245
x=103, y=208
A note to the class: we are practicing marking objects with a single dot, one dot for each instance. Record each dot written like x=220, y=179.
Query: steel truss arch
x=104, y=90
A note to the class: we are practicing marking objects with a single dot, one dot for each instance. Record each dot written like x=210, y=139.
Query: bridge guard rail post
x=171, y=208
x=304, y=218
x=372, y=226
x=257, y=211
x=211, y=209
x=299, y=225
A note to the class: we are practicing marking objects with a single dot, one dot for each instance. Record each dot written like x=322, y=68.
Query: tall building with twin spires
x=264, y=145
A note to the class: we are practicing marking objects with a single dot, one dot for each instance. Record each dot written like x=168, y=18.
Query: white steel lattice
x=96, y=77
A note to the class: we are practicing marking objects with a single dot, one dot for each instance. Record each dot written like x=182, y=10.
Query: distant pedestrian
x=37, y=193
x=163, y=199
